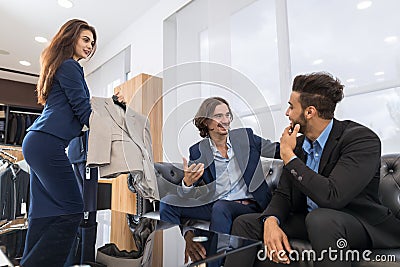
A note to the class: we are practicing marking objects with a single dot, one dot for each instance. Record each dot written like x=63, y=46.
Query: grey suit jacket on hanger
x=120, y=142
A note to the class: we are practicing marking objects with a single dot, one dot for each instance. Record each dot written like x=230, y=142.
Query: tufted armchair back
x=389, y=186
x=389, y=189
x=173, y=172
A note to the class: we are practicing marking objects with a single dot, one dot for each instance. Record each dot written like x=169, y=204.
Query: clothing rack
x=7, y=154
x=10, y=149
x=25, y=112
x=15, y=151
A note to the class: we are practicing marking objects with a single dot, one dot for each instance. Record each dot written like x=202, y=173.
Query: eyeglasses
x=220, y=116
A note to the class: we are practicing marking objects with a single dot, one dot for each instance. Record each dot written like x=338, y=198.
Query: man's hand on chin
x=288, y=143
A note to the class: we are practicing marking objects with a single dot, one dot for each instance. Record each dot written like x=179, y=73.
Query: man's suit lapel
x=331, y=143
x=298, y=150
x=241, y=147
x=207, y=156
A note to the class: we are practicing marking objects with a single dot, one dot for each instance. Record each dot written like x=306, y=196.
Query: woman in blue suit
x=63, y=92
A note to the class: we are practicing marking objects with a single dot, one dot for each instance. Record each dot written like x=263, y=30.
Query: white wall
x=350, y=42
x=308, y=42
x=145, y=36
x=219, y=51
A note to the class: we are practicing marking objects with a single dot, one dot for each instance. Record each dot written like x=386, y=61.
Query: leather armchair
x=389, y=193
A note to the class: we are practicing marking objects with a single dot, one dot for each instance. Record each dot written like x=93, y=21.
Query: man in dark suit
x=228, y=164
x=328, y=190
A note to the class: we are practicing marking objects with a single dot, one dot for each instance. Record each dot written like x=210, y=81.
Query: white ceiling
x=22, y=20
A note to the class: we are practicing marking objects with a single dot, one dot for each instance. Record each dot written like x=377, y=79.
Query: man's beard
x=302, y=122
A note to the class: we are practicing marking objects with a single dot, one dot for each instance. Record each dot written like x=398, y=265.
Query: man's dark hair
x=321, y=90
x=206, y=112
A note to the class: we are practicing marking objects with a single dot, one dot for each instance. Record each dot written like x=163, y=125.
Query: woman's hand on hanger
x=121, y=97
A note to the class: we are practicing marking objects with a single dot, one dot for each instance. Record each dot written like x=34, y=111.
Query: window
x=104, y=79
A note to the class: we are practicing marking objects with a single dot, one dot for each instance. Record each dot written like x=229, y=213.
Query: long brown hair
x=205, y=113
x=61, y=48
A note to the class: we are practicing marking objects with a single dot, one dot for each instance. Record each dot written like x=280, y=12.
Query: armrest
x=272, y=169
x=172, y=172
